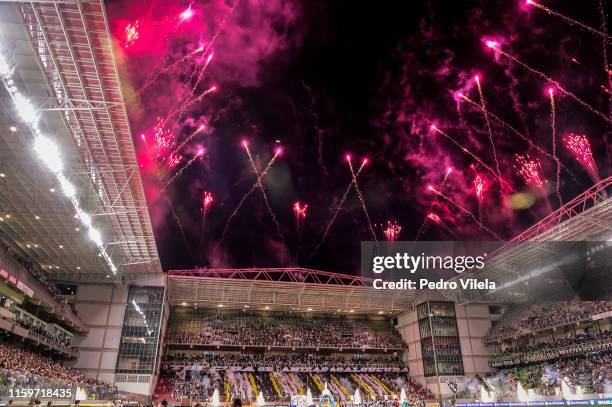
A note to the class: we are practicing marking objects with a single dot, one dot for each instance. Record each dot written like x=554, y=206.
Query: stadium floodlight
x=67, y=187
x=95, y=236
x=25, y=109
x=84, y=218
x=5, y=68
x=49, y=153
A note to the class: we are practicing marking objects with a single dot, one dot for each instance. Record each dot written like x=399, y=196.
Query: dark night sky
x=327, y=78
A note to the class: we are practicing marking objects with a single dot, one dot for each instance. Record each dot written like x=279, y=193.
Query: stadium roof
x=64, y=64
x=286, y=289
x=516, y=265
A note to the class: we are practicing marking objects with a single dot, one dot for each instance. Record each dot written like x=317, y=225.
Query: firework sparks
x=207, y=200
x=360, y=195
x=553, y=114
x=300, y=210
x=465, y=211
x=530, y=170
x=163, y=139
x=514, y=130
x=392, y=231
x=248, y=193
x=488, y=123
x=480, y=186
x=579, y=146
x=186, y=14
x=261, y=187
x=130, y=34
x=569, y=20
x=173, y=160
x=469, y=153
x=434, y=218
x=336, y=210
x=495, y=46
x=183, y=168
x=188, y=139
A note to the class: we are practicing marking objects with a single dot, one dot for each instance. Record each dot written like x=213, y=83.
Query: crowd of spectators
x=41, y=277
x=281, y=330
x=303, y=361
x=16, y=358
x=592, y=372
x=555, y=349
x=543, y=316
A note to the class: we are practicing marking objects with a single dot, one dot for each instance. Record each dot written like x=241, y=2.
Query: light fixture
x=49, y=154
x=13, y=129
x=28, y=246
x=184, y=304
x=246, y=306
x=8, y=216
x=36, y=217
x=266, y=307
x=36, y=246
x=77, y=229
x=51, y=189
x=309, y=309
x=2, y=175
x=61, y=246
x=220, y=305
x=78, y=267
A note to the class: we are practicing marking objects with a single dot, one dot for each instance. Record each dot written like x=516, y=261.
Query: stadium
x=138, y=268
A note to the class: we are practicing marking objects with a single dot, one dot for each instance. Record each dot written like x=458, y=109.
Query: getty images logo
x=404, y=261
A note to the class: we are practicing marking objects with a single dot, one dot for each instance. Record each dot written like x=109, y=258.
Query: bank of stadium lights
x=49, y=153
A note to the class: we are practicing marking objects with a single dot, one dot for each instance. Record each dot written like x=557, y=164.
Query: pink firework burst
x=173, y=160
x=130, y=34
x=530, y=170
x=392, y=230
x=579, y=146
x=162, y=138
x=434, y=217
x=207, y=200
x=300, y=210
x=480, y=186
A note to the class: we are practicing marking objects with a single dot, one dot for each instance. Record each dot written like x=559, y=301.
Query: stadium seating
x=280, y=330
x=545, y=316
x=17, y=360
x=197, y=376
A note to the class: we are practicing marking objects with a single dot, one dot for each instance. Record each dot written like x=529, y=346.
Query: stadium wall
x=102, y=308
x=473, y=323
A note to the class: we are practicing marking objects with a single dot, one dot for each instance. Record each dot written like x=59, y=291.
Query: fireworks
x=553, y=113
x=488, y=123
x=186, y=14
x=495, y=46
x=130, y=34
x=261, y=187
x=469, y=153
x=434, y=218
x=173, y=160
x=183, y=168
x=207, y=200
x=569, y=20
x=260, y=178
x=530, y=170
x=338, y=208
x=359, y=195
x=300, y=210
x=465, y=211
x=480, y=186
x=163, y=140
x=579, y=146
x=392, y=231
